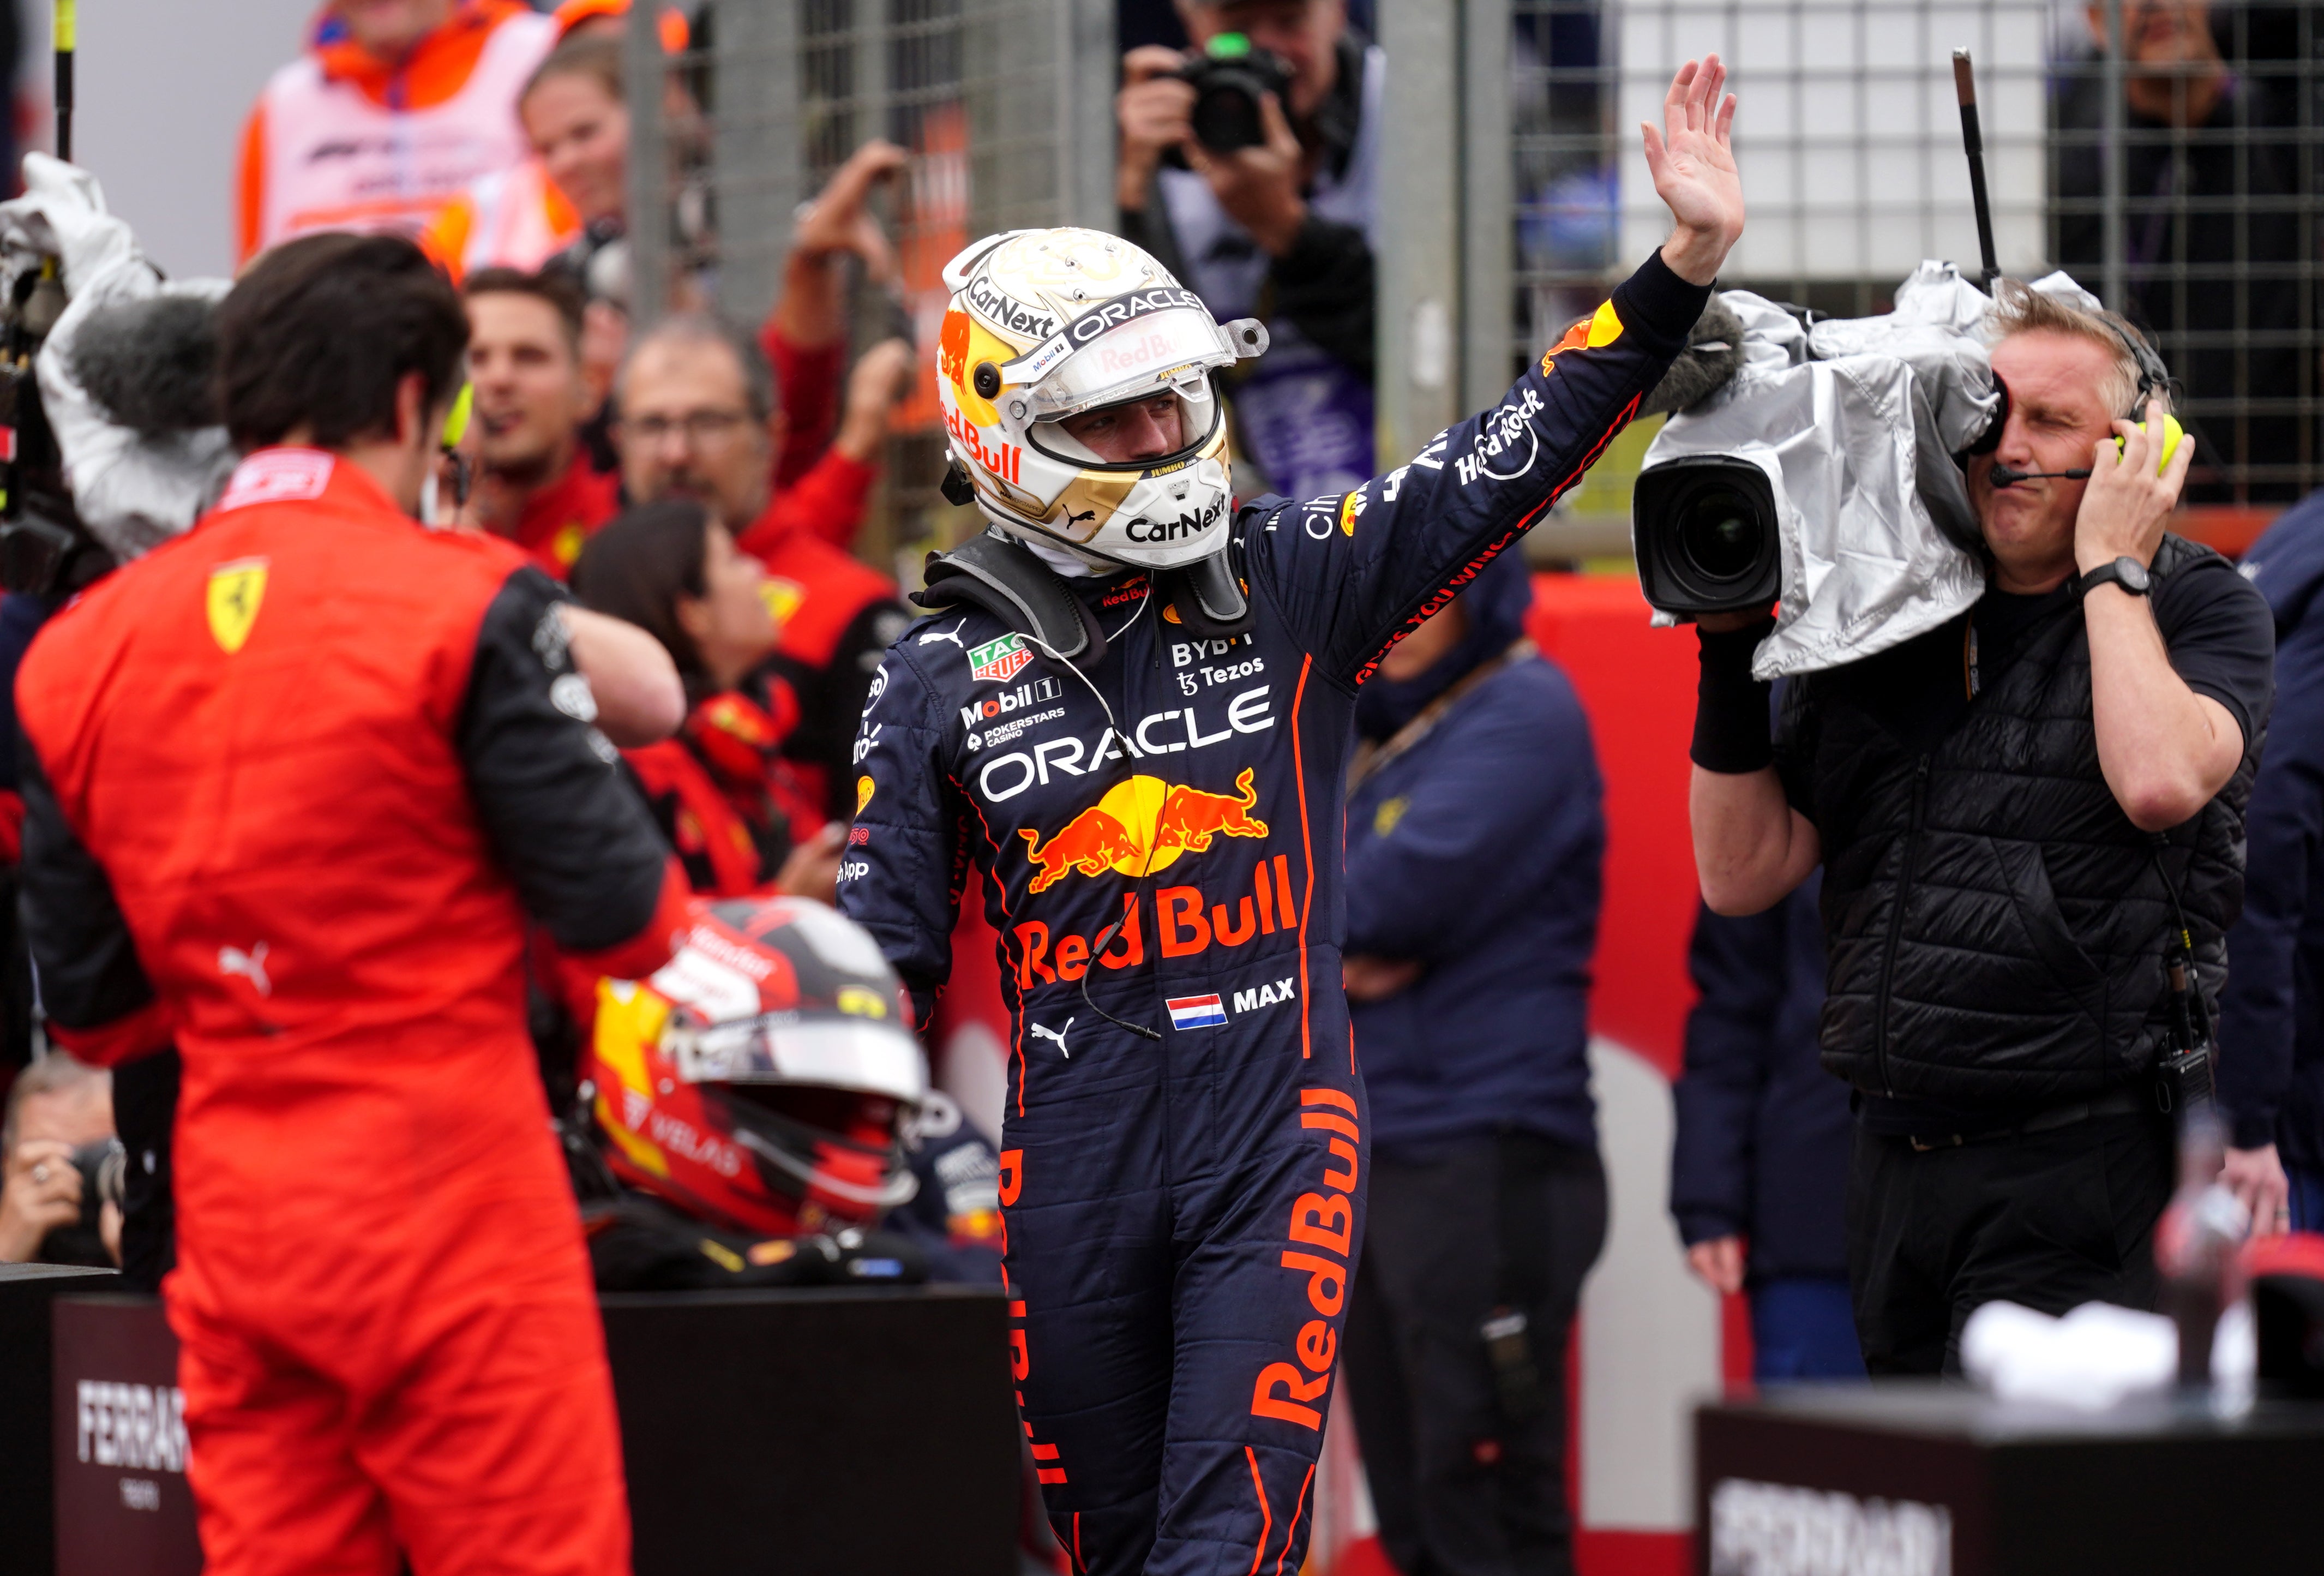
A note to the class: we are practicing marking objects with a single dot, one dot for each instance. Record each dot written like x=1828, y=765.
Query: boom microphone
x=2003, y=476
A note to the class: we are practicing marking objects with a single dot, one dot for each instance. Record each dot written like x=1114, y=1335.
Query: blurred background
x=2173, y=178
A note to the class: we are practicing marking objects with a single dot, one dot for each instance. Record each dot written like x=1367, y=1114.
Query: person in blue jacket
x=1474, y=843
x=2270, y=1076
x=1134, y=714
x=1760, y=1155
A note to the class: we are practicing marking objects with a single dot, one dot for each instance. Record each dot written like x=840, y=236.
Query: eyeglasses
x=701, y=427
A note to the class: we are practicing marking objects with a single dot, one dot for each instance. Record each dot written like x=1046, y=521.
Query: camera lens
x=1225, y=116
x=1719, y=534
x=1704, y=528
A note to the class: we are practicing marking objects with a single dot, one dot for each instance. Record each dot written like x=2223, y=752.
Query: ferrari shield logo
x=235, y=591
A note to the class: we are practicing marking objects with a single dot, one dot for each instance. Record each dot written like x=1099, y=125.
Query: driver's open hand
x=1693, y=161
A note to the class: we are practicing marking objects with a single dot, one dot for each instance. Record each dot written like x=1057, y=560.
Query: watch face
x=2132, y=574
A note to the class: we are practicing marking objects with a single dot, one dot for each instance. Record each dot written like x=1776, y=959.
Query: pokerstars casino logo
x=999, y=661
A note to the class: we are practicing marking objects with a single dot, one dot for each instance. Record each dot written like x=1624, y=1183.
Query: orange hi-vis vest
x=513, y=218
x=339, y=141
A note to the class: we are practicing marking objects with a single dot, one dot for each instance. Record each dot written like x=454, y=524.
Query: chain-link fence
x=2173, y=175
x=1003, y=108
x=2183, y=168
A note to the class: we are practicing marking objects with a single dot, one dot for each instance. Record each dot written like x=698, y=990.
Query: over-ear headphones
x=2154, y=378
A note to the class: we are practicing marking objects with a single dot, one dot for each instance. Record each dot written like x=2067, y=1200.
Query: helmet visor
x=1170, y=348
x=791, y=1047
x=1198, y=411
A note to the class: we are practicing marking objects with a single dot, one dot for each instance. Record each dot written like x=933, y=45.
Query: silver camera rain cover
x=133, y=490
x=1855, y=422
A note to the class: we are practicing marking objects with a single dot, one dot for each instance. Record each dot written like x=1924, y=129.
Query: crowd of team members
x=703, y=484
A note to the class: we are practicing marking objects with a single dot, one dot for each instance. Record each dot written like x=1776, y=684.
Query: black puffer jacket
x=1995, y=925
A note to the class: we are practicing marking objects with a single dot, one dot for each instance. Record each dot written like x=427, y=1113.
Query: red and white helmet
x=762, y=1080
x=1046, y=324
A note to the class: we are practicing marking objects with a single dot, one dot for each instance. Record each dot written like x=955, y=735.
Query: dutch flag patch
x=1197, y=1012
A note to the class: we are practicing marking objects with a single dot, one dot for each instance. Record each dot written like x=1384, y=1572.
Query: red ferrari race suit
x=294, y=782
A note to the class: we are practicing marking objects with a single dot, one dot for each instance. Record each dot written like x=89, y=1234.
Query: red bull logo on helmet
x=1142, y=825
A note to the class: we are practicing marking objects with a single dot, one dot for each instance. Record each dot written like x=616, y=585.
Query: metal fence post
x=1488, y=204
x=648, y=170
x=1420, y=226
x=1092, y=66
x=755, y=174
x=2113, y=275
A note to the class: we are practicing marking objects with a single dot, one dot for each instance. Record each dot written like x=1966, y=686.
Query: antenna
x=1972, y=141
x=63, y=33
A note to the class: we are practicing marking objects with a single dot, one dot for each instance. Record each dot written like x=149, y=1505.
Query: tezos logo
x=999, y=661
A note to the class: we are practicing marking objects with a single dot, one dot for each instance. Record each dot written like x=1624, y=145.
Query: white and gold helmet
x=1046, y=324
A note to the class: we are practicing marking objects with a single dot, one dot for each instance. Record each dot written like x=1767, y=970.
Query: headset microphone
x=2005, y=476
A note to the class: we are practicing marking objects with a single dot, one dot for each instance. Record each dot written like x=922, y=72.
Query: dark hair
x=321, y=330
x=639, y=566
x=557, y=289
x=702, y=328
x=594, y=56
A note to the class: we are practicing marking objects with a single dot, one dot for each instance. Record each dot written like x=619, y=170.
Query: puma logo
x=952, y=634
x=1057, y=1034
x=250, y=965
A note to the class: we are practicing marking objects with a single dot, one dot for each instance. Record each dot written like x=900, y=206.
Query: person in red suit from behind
x=295, y=781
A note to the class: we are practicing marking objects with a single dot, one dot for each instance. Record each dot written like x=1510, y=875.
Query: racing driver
x=294, y=782
x=1132, y=711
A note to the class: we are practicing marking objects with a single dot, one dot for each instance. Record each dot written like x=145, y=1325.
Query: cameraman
x=1280, y=230
x=2009, y=809
x=56, y=1106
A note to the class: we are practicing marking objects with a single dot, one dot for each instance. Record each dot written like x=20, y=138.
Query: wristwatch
x=2125, y=572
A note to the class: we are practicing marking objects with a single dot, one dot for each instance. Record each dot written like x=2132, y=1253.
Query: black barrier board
x=120, y=1441
x=1912, y=1478
x=817, y=1431
x=27, y=1479
x=801, y=1432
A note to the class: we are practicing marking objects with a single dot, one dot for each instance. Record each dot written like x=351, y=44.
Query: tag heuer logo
x=999, y=661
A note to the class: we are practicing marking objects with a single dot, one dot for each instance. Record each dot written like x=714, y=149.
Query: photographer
x=2013, y=810
x=1279, y=229
x=56, y=1107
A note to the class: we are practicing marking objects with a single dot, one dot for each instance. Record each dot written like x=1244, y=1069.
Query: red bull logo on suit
x=1142, y=825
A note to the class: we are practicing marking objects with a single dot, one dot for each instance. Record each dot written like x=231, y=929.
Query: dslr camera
x=1229, y=77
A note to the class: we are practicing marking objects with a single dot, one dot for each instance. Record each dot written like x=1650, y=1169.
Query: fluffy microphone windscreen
x=1714, y=350
x=152, y=363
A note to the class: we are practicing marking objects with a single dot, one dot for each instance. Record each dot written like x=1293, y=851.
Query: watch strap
x=2112, y=571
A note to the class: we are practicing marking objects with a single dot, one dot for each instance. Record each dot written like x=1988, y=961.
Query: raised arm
x=1352, y=574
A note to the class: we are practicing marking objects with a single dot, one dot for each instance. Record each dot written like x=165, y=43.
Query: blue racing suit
x=1181, y=1215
